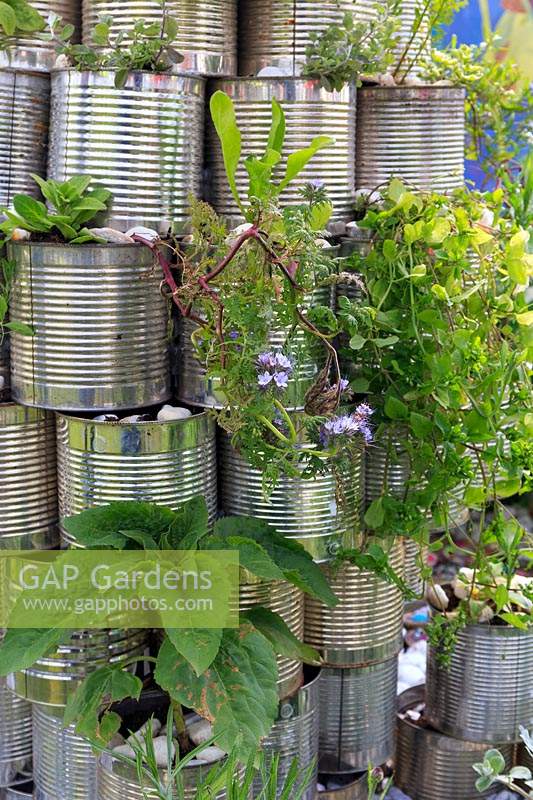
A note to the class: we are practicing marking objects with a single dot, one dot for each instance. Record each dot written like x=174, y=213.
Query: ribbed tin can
x=24, y=110
x=207, y=29
x=277, y=32
x=487, y=692
x=100, y=327
x=159, y=462
x=196, y=389
x=294, y=735
x=5, y=376
x=416, y=133
x=310, y=111
x=119, y=781
x=432, y=766
x=366, y=625
x=523, y=757
x=144, y=142
x=53, y=678
x=288, y=601
x=22, y=791
x=34, y=51
x=412, y=553
x=307, y=510
x=15, y=735
x=28, y=497
x=353, y=790
x=411, y=46
x=64, y=764
x=357, y=716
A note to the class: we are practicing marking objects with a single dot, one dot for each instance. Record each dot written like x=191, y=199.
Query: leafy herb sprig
x=18, y=18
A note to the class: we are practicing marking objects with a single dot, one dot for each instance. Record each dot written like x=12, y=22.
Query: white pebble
x=20, y=235
x=274, y=72
x=111, y=236
x=161, y=751
x=169, y=413
x=124, y=750
x=106, y=418
x=152, y=723
x=136, y=418
x=410, y=675
x=146, y=233
x=211, y=754
x=199, y=732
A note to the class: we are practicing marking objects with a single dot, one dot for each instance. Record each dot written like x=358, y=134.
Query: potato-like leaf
x=22, y=647
x=107, y=526
x=280, y=636
x=198, y=646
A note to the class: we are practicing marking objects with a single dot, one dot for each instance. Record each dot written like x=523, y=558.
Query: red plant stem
x=236, y=246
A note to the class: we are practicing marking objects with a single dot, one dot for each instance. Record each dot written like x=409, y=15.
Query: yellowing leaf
x=525, y=318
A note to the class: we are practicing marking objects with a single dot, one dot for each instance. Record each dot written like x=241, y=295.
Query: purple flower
x=283, y=362
x=263, y=379
x=316, y=183
x=234, y=334
x=266, y=360
x=273, y=367
x=281, y=379
x=363, y=411
x=343, y=385
x=347, y=425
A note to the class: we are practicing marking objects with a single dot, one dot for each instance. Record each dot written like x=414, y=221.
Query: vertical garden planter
x=295, y=735
x=64, y=766
x=416, y=133
x=34, y=51
x=487, y=692
x=15, y=735
x=52, y=679
x=100, y=327
x=366, y=626
x=432, y=766
x=412, y=552
x=28, y=495
x=5, y=377
x=160, y=462
x=24, y=107
x=196, y=389
x=310, y=112
x=357, y=716
x=143, y=142
x=305, y=510
x=207, y=31
x=353, y=790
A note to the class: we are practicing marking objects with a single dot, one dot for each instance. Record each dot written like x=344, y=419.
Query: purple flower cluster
x=358, y=422
x=273, y=369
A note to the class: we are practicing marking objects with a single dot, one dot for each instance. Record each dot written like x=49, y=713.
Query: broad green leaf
x=28, y=19
x=320, y=215
x=33, y=211
x=224, y=120
x=280, y=636
x=8, y=19
x=525, y=318
x=359, y=385
x=357, y=342
x=439, y=230
x=520, y=621
x=238, y=692
x=75, y=187
x=375, y=514
x=297, y=161
x=395, y=408
x=22, y=647
x=198, y=646
x=496, y=760
x=475, y=496
x=189, y=525
x=439, y=291
x=252, y=556
x=386, y=342
x=517, y=269
x=19, y=327
x=103, y=526
x=419, y=271
x=100, y=34
x=276, y=135
x=422, y=426
x=390, y=249
x=507, y=488
x=49, y=191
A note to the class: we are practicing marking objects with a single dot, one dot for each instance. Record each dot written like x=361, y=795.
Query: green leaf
x=357, y=342
x=252, y=556
x=422, y=426
x=419, y=271
x=224, y=120
x=525, y=318
x=75, y=187
x=19, y=327
x=190, y=524
x=375, y=514
x=22, y=647
x=507, y=488
x=28, y=19
x=276, y=136
x=517, y=269
x=475, y=496
x=238, y=692
x=520, y=774
x=439, y=291
x=282, y=639
x=390, y=250
x=359, y=385
x=33, y=211
x=439, y=230
x=395, y=409
x=386, y=342
x=297, y=161
x=198, y=647
x=320, y=215
x=8, y=19
x=100, y=34
x=49, y=190
x=520, y=621
x=496, y=760
x=104, y=526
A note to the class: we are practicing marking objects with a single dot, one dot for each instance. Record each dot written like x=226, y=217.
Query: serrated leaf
x=280, y=636
x=198, y=646
x=22, y=647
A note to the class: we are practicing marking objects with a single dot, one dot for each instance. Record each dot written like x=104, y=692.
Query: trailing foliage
x=18, y=18
x=492, y=770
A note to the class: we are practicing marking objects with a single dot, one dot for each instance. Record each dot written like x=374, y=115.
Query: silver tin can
x=64, y=765
x=15, y=735
x=416, y=133
x=303, y=509
x=294, y=735
x=288, y=601
x=100, y=334
x=487, y=692
x=413, y=552
x=353, y=790
x=144, y=142
x=54, y=678
x=357, y=716
x=207, y=29
x=35, y=52
x=366, y=626
x=5, y=376
x=28, y=497
x=310, y=111
x=19, y=791
x=159, y=462
x=432, y=766
x=25, y=104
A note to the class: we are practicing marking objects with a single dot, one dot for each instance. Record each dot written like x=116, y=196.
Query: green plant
x=492, y=770
x=197, y=667
x=378, y=786
x=18, y=17
x=6, y=282
x=74, y=205
x=146, y=46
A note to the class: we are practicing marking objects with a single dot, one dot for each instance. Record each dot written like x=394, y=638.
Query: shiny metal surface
x=24, y=110
x=286, y=600
x=15, y=735
x=143, y=142
x=414, y=133
x=355, y=790
x=411, y=47
x=53, y=678
x=207, y=29
x=159, y=462
x=412, y=552
x=64, y=763
x=523, y=758
x=100, y=327
x=5, y=377
x=305, y=510
x=294, y=735
x=23, y=791
x=357, y=716
x=28, y=493
x=366, y=625
x=310, y=111
x=194, y=388
x=431, y=766
x=34, y=52
x=487, y=692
